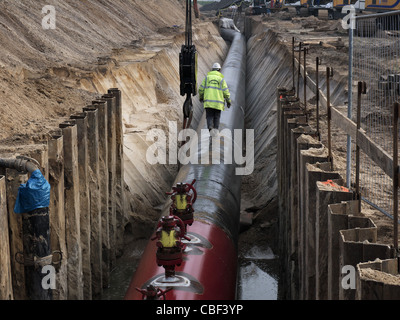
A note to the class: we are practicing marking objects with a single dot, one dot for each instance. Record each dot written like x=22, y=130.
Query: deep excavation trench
x=146, y=77
x=258, y=272
x=146, y=70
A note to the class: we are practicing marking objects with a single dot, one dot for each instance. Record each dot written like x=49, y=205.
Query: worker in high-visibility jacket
x=213, y=92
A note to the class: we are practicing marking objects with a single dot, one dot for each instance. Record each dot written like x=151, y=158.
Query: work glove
x=228, y=104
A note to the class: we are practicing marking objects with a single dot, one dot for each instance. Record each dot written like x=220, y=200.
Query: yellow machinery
x=382, y=5
x=335, y=12
x=369, y=5
x=311, y=7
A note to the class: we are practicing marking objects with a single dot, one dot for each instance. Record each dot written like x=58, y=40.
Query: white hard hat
x=216, y=66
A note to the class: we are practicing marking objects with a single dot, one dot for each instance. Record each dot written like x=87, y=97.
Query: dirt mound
x=41, y=70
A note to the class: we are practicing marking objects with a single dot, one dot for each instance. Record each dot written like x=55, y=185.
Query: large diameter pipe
x=209, y=266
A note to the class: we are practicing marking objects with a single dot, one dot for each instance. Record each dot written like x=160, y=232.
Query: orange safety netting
x=334, y=185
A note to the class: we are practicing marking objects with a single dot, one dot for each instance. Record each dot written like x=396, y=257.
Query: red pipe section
x=201, y=264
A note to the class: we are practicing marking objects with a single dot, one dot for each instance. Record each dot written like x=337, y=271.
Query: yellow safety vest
x=214, y=91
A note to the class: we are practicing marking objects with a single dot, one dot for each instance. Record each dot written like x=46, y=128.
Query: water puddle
x=258, y=275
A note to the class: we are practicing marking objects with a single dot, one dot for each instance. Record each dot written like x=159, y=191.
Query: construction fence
x=370, y=120
x=374, y=53
x=371, y=123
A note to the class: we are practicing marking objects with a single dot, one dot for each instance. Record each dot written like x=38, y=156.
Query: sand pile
x=40, y=70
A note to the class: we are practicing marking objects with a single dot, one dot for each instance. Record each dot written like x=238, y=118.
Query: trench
x=269, y=66
x=146, y=73
x=259, y=276
x=258, y=260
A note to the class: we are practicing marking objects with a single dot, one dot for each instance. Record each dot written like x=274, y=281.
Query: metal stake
x=305, y=82
x=318, y=63
x=395, y=177
x=362, y=89
x=298, y=72
x=329, y=74
x=293, y=68
x=349, y=105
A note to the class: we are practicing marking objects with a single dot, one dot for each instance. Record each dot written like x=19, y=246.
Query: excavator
x=261, y=7
x=336, y=6
x=366, y=6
